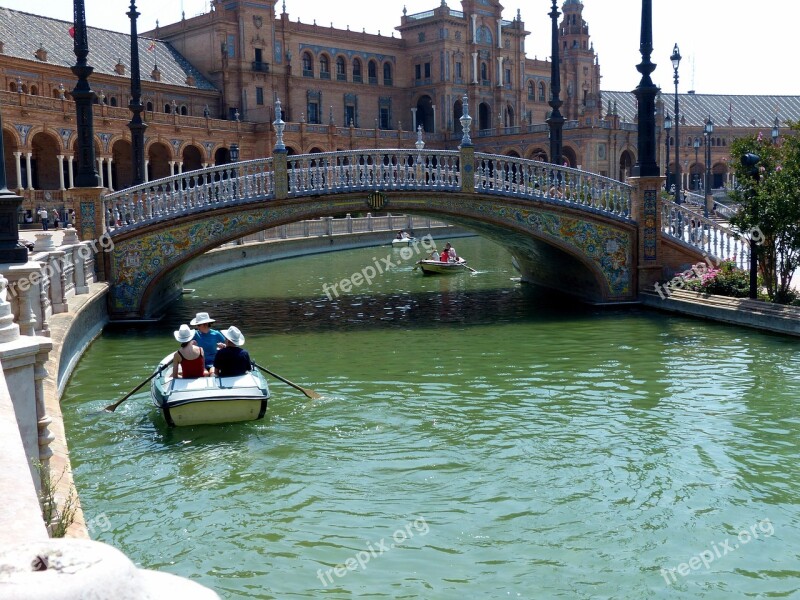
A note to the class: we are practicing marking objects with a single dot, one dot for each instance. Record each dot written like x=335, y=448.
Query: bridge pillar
x=467, y=168
x=90, y=218
x=280, y=174
x=646, y=211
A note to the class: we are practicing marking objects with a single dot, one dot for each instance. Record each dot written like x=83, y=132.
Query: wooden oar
x=113, y=407
x=309, y=393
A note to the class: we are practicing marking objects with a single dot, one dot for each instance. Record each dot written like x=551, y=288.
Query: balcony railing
x=260, y=67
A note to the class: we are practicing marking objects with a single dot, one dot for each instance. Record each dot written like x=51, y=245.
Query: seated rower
x=189, y=357
x=232, y=360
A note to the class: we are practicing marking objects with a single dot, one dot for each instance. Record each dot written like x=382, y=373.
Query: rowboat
x=208, y=400
x=401, y=242
x=437, y=267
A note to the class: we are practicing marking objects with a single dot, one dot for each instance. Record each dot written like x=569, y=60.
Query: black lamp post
x=83, y=97
x=645, y=92
x=775, y=131
x=676, y=61
x=234, y=150
x=556, y=119
x=10, y=249
x=137, y=126
x=695, y=176
x=708, y=130
x=667, y=129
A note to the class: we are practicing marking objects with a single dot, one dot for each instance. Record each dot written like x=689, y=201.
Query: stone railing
x=43, y=286
x=681, y=223
x=284, y=176
x=344, y=225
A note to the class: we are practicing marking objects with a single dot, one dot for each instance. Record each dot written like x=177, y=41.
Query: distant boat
x=209, y=400
x=437, y=267
x=405, y=241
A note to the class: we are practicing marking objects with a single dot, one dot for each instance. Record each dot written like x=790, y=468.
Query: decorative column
x=99, y=171
x=29, y=170
x=499, y=34
x=71, y=171
x=414, y=119
x=60, y=158
x=171, y=168
x=109, y=183
x=137, y=125
x=467, y=158
x=474, y=18
x=83, y=97
x=499, y=71
x=146, y=165
x=18, y=162
x=279, y=156
x=474, y=67
x=556, y=119
x=433, y=108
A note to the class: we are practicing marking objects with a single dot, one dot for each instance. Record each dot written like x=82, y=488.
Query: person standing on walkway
x=43, y=218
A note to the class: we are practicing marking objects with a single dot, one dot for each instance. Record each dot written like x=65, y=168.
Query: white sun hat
x=184, y=334
x=201, y=318
x=234, y=335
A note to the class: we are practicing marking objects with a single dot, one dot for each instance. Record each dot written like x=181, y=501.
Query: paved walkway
x=30, y=235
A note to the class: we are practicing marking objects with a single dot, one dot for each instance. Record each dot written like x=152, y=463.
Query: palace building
x=210, y=82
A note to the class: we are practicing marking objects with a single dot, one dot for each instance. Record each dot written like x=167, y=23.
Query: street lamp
x=676, y=61
x=695, y=178
x=708, y=130
x=234, y=151
x=667, y=128
x=775, y=131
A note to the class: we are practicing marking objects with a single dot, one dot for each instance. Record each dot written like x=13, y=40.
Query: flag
x=72, y=31
x=151, y=47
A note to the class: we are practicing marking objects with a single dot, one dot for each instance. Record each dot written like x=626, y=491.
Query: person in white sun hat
x=210, y=340
x=232, y=360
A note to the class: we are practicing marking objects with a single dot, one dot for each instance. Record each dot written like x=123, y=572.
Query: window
x=372, y=72
x=387, y=74
x=427, y=70
x=308, y=65
x=231, y=46
x=313, y=113
x=258, y=55
x=313, y=103
x=542, y=95
x=385, y=118
x=259, y=95
x=341, y=74
x=167, y=108
x=324, y=67
x=507, y=79
x=531, y=91
x=350, y=116
x=458, y=71
x=484, y=74
x=357, y=71
x=417, y=72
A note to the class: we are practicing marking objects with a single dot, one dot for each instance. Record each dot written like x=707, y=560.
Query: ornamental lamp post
x=708, y=130
x=676, y=61
x=775, y=131
x=695, y=176
x=234, y=151
x=667, y=129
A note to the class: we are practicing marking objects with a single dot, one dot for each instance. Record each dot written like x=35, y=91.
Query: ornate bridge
x=592, y=236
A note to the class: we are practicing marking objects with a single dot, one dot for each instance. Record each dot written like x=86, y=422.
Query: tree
x=769, y=195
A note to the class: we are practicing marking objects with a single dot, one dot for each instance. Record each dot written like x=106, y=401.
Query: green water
x=475, y=439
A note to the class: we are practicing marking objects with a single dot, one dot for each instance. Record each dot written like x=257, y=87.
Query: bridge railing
x=189, y=192
x=381, y=169
x=711, y=238
x=507, y=176
x=356, y=170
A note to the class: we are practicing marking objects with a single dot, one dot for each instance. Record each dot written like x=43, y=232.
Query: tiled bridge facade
x=573, y=231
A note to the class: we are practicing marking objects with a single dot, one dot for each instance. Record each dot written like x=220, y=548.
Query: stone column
x=474, y=67
x=280, y=174
x=171, y=168
x=146, y=176
x=499, y=34
x=71, y=172
x=18, y=162
x=499, y=71
x=29, y=173
x=60, y=158
x=413, y=119
x=474, y=18
x=100, y=160
x=110, y=185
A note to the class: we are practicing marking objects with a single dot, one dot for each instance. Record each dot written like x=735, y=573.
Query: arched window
x=531, y=91
x=542, y=95
x=167, y=108
x=184, y=110
x=308, y=65
x=483, y=35
x=372, y=71
x=113, y=101
x=149, y=106
x=324, y=67
x=341, y=74
x=357, y=70
x=12, y=86
x=387, y=74
x=34, y=90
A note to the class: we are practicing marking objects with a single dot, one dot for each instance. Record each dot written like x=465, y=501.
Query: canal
x=475, y=439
